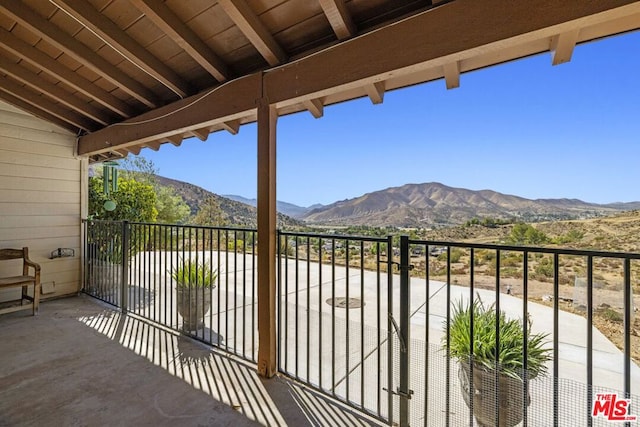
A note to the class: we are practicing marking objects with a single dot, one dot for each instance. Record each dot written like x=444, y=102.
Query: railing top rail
x=212, y=227
x=334, y=236
x=534, y=249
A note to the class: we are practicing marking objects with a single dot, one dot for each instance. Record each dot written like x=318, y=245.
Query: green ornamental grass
x=483, y=345
x=191, y=274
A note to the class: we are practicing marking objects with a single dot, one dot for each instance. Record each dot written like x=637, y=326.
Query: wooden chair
x=24, y=281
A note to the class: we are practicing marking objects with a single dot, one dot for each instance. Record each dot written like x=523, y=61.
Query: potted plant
x=194, y=283
x=481, y=360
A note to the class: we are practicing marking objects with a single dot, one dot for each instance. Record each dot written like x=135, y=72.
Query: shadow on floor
x=58, y=369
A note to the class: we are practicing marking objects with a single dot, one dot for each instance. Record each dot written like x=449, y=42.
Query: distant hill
x=289, y=209
x=435, y=204
x=239, y=214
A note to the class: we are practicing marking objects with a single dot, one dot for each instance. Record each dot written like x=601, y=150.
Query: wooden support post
x=267, y=117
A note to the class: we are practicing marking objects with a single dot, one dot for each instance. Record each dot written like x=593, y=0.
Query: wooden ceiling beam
x=81, y=53
x=117, y=39
x=562, y=46
x=154, y=145
x=184, y=37
x=451, y=72
x=174, y=139
x=56, y=92
x=339, y=18
x=12, y=87
x=398, y=49
x=50, y=66
x=232, y=126
x=36, y=111
x=135, y=150
x=387, y=54
x=251, y=26
x=375, y=92
x=230, y=101
x=314, y=106
x=202, y=134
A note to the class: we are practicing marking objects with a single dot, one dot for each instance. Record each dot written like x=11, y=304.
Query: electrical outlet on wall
x=47, y=288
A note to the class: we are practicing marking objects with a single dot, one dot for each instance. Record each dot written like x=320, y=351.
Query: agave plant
x=481, y=346
x=192, y=274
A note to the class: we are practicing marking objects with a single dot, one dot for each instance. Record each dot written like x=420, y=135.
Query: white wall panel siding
x=41, y=191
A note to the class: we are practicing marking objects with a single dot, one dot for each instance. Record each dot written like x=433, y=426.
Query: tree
x=210, y=213
x=135, y=201
x=170, y=206
x=525, y=234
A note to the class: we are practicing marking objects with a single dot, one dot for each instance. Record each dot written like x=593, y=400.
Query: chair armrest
x=30, y=263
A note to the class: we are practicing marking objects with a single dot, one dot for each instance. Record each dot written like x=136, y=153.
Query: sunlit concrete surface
x=82, y=363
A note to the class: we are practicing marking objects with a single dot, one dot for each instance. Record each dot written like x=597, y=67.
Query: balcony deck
x=81, y=362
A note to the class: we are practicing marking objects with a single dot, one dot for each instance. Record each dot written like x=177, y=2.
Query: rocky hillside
x=239, y=214
x=435, y=204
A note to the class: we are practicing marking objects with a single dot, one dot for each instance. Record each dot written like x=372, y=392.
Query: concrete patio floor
x=82, y=363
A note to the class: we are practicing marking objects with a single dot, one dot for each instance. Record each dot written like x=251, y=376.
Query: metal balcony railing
x=200, y=281
x=368, y=320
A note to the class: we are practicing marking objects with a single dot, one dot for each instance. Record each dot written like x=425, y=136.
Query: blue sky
x=525, y=128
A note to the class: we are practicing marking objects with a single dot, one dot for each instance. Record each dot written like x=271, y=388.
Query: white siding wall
x=41, y=198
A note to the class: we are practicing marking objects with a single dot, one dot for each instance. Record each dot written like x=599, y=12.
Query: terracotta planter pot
x=510, y=397
x=193, y=305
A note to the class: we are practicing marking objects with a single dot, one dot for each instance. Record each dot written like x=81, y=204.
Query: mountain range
x=412, y=205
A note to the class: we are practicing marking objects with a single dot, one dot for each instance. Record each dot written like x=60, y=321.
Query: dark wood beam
x=233, y=126
x=251, y=26
x=227, y=102
x=36, y=111
x=458, y=29
x=12, y=87
x=201, y=134
x=420, y=45
x=315, y=107
x=103, y=27
x=375, y=92
x=36, y=82
x=184, y=37
x=339, y=18
x=50, y=66
x=81, y=53
x=562, y=46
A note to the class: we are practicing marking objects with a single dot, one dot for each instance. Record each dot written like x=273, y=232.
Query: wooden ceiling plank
x=184, y=37
x=251, y=26
x=114, y=36
x=562, y=46
x=339, y=18
x=12, y=87
x=56, y=92
x=232, y=126
x=315, y=107
x=81, y=53
x=452, y=74
x=50, y=66
x=375, y=92
x=37, y=112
